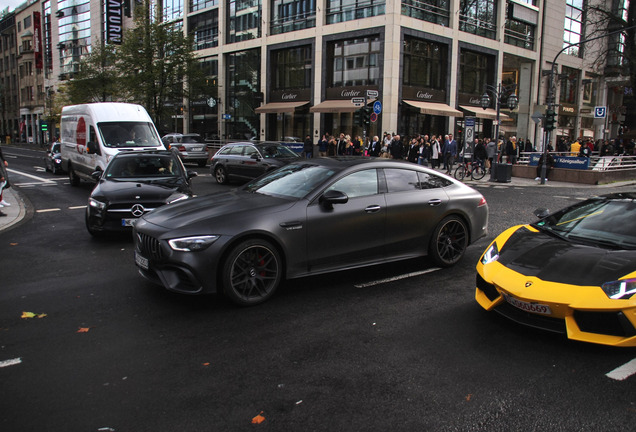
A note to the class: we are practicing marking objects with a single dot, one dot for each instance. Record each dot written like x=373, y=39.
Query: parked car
x=133, y=184
x=53, y=158
x=305, y=218
x=247, y=160
x=570, y=272
x=190, y=147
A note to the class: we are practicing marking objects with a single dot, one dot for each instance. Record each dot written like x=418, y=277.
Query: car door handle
x=372, y=209
x=434, y=202
x=291, y=225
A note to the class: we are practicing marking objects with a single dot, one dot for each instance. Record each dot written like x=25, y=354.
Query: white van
x=92, y=134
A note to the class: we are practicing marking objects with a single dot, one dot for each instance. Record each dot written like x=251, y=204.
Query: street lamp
x=499, y=93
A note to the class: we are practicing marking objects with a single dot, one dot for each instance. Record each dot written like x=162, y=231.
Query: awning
x=435, y=108
x=280, y=107
x=336, y=106
x=479, y=112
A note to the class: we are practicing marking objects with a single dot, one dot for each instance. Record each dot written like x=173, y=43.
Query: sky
x=11, y=3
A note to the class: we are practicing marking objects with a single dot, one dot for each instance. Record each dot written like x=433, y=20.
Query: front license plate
x=128, y=222
x=141, y=261
x=528, y=307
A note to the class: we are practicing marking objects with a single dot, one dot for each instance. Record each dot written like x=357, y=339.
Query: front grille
x=607, y=323
x=488, y=289
x=149, y=246
x=556, y=325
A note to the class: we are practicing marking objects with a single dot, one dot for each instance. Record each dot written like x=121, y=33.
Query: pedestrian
x=436, y=152
x=413, y=150
x=480, y=153
x=396, y=149
x=374, y=147
x=450, y=153
x=341, y=145
x=308, y=147
x=4, y=181
x=424, y=152
x=322, y=145
x=332, y=147
x=491, y=152
x=548, y=165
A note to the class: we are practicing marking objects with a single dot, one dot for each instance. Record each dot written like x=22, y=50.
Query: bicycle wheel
x=460, y=172
x=478, y=172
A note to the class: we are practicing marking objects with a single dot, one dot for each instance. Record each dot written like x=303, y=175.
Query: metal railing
x=597, y=162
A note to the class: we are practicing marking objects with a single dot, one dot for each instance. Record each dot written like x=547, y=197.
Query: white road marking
x=396, y=278
x=31, y=176
x=623, y=372
x=48, y=210
x=11, y=362
x=77, y=207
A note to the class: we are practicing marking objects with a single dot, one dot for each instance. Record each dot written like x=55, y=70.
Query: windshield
x=129, y=134
x=276, y=151
x=192, y=139
x=601, y=222
x=155, y=166
x=291, y=181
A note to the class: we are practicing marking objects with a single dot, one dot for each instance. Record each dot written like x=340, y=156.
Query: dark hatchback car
x=309, y=217
x=133, y=184
x=244, y=161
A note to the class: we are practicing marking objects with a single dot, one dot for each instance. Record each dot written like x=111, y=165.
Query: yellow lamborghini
x=571, y=272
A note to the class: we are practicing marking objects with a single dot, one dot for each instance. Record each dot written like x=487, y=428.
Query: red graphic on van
x=80, y=137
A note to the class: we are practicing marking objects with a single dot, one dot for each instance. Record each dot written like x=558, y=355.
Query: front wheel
x=252, y=272
x=220, y=174
x=460, y=172
x=449, y=241
x=478, y=172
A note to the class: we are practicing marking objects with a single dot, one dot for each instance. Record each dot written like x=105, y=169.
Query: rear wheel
x=220, y=174
x=449, y=241
x=460, y=172
x=72, y=176
x=478, y=172
x=252, y=272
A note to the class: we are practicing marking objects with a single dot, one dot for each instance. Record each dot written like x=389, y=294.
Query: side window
x=249, y=151
x=225, y=151
x=431, y=181
x=401, y=180
x=236, y=150
x=361, y=183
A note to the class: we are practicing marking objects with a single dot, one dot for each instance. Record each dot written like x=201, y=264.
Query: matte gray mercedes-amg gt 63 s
x=309, y=217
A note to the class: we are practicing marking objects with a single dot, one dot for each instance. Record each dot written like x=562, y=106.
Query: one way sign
x=600, y=112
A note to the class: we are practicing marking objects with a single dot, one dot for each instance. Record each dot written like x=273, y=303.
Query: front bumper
x=583, y=313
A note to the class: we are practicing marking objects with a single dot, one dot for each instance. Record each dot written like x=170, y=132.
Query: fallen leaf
x=468, y=397
x=32, y=315
x=258, y=419
x=13, y=244
x=83, y=330
x=206, y=364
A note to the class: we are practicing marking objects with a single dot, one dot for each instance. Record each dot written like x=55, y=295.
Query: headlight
x=192, y=244
x=96, y=204
x=620, y=289
x=176, y=198
x=491, y=254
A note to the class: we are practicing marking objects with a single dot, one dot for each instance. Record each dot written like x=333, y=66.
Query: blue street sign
x=377, y=107
x=600, y=112
x=227, y=116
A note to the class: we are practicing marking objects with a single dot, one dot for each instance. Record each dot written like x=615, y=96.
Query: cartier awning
x=479, y=112
x=280, y=107
x=336, y=106
x=433, y=108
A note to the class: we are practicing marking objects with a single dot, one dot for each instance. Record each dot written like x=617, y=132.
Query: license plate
x=528, y=307
x=128, y=222
x=196, y=148
x=141, y=261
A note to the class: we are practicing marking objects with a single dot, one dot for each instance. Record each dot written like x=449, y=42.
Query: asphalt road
x=366, y=350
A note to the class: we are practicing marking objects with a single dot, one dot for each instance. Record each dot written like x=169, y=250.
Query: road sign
x=377, y=107
x=373, y=117
x=600, y=112
x=537, y=117
x=358, y=100
x=372, y=94
x=227, y=116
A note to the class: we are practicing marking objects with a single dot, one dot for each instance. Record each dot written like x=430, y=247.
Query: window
x=291, y=15
x=473, y=72
x=434, y=11
x=520, y=26
x=244, y=20
x=573, y=26
x=292, y=68
x=172, y=10
x=354, y=62
x=478, y=17
x=569, y=88
x=425, y=64
x=196, y=5
x=348, y=10
x=401, y=180
x=358, y=184
x=205, y=29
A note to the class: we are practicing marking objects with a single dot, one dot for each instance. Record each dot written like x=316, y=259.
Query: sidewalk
x=16, y=212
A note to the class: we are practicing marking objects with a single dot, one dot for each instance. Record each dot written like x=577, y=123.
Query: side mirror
x=191, y=174
x=542, y=213
x=92, y=148
x=255, y=156
x=331, y=197
x=97, y=174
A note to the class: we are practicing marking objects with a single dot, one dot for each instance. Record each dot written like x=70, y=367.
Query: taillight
x=482, y=202
x=182, y=148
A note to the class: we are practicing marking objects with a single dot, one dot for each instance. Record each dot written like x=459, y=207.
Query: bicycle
x=473, y=169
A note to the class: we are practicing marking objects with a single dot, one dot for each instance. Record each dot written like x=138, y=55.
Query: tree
x=98, y=78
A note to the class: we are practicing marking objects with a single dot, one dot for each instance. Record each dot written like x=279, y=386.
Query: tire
x=460, y=172
x=73, y=178
x=478, y=172
x=449, y=241
x=251, y=272
x=221, y=175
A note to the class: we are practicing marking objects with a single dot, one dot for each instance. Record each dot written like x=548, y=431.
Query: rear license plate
x=141, y=261
x=196, y=148
x=528, y=307
x=128, y=222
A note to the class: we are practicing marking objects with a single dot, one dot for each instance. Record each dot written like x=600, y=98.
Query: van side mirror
x=93, y=148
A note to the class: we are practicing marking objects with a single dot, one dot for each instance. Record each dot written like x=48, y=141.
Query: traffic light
x=549, y=120
x=44, y=126
x=366, y=115
x=357, y=117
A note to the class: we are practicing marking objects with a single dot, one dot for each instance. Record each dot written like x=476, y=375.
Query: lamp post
x=499, y=93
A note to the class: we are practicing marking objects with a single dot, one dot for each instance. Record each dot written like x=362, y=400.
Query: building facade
x=285, y=69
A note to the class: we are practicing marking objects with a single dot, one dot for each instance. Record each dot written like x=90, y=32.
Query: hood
x=551, y=259
x=228, y=205
x=130, y=190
